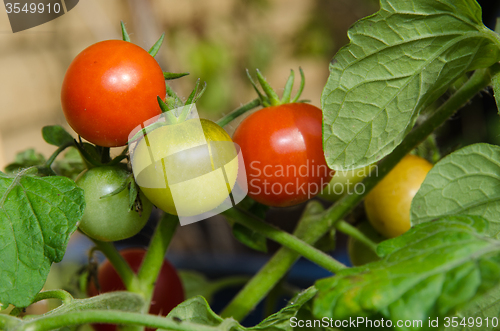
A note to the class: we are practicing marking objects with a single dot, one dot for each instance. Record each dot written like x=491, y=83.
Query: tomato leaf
x=197, y=310
x=399, y=61
x=495, y=82
x=464, y=182
x=25, y=159
x=428, y=272
x=37, y=217
x=56, y=135
x=480, y=310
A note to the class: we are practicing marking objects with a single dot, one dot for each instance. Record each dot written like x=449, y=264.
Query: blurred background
x=215, y=40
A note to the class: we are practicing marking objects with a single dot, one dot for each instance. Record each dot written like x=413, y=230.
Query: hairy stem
x=237, y=112
x=284, y=238
x=112, y=317
x=352, y=231
x=126, y=274
x=153, y=260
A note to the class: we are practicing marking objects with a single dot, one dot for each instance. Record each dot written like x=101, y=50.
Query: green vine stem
x=58, y=151
x=284, y=238
x=112, y=317
x=238, y=112
x=153, y=260
x=127, y=275
x=310, y=229
x=280, y=263
x=353, y=232
x=62, y=295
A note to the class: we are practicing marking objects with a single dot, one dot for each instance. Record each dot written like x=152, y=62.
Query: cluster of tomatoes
x=112, y=87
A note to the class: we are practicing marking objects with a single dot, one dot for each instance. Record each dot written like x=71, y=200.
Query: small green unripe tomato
x=109, y=218
x=358, y=252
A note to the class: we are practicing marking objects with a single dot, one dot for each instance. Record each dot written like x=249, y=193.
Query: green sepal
x=288, y=88
x=156, y=47
x=125, y=35
x=272, y=96
x=172, y=75
x=301, y=88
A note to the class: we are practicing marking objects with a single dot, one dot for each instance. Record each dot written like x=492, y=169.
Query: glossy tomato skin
x=110, y=88
x=198, y=188
x=388, y=204
x=109, y=219
x=168, y=292
x=283, y=153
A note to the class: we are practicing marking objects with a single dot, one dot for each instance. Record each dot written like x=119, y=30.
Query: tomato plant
x=110, y=218
x=109, y=89
x=388, y=204
x=283, y=154
x=389, y=89
x=168, y=291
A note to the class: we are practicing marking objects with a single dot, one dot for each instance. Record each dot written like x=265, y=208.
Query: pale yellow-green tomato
x=186, y=169
x=388, y=204
x=344, y=182
x=359, y=253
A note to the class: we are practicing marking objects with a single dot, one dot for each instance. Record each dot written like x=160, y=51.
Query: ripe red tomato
x=168, y=292
x=283, y=153
x=110, y=88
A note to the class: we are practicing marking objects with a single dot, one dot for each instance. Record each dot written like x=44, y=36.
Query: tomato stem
x=311, y=253
x=62, y=295
x=121, y=266
x=153, y=260
x=58, y=151
x=352, y=231
x=52, y=322
x=311, y=227
x=238, y=112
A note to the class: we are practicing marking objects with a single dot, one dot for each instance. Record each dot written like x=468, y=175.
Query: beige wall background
x=212, y=39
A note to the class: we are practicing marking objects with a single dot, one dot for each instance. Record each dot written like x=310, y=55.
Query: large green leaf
x=37, y=217
x=399, y=61
x=430, y=271
x=464, y=182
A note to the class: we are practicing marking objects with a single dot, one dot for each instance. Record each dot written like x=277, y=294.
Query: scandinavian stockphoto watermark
x=24, y=15
x=265, y=179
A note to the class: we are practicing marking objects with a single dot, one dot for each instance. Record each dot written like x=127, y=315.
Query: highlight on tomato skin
x=168, y=292
x=110, y=88
x=283, y=153
x=388, y=204
x=110, y=218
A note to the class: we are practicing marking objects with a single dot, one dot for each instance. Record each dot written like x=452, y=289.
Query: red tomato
x=283, y=153
x=168, y=292
x=109, y=89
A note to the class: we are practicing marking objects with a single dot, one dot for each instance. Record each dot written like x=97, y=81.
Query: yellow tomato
x=186, y=169
x=388, y=204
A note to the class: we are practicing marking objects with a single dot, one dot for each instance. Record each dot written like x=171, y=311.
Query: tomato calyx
x=174, y=109
x=270, y=97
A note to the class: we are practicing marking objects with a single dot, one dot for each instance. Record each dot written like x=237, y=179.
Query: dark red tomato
x=168, y=292
x=109, y=89
x=283, y=153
